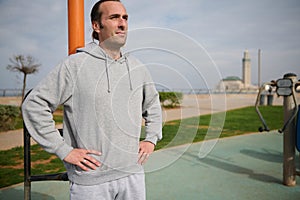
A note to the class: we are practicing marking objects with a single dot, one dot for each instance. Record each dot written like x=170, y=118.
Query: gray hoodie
x=104, y=101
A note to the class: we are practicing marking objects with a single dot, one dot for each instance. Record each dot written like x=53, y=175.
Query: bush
x=8, y=117
x=170, y=99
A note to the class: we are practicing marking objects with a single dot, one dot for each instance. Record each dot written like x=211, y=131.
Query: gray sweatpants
x=128, y=188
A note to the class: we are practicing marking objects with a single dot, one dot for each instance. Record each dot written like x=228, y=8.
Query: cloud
x=36, y=28
x=227, y=28
x=224, y=28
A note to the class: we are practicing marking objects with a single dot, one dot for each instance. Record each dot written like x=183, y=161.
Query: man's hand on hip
x=146, y=148
x=82, y=159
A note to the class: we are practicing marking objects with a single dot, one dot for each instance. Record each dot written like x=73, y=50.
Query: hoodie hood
x=110, y=123
x=94, y=50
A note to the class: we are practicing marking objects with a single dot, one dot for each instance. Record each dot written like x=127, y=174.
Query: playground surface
x=241, y=167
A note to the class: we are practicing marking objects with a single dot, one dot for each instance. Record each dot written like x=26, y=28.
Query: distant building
x=234, y=83
x=246, y=70
x=231, y=83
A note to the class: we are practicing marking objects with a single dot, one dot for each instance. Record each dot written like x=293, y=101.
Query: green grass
x=11, y=164
x=239, y=121
x=9, y=160
x=175, y=133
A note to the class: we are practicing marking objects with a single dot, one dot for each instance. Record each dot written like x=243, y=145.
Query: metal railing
x=28, y=177
x=11, y=92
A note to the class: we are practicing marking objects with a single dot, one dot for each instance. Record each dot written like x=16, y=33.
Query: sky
x=185, y=44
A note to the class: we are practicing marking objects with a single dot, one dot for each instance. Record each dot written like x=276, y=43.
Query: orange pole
x=75, y=24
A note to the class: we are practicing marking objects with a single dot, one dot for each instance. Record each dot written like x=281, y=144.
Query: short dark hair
x=96, y=15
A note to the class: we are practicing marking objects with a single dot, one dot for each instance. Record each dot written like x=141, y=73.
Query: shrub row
x=170, y=99
x=8, y=117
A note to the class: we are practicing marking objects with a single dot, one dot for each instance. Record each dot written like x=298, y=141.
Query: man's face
x=114, y=26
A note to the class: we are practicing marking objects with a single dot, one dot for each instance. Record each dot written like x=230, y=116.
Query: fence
x=11, y=92
x=18, y=92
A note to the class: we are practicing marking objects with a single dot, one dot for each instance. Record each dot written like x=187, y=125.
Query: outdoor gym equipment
x=298, y=131
x=286, y=87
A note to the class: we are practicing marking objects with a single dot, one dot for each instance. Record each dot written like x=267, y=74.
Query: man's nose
x=122, y=23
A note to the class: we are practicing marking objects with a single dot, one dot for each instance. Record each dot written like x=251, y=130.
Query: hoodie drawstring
x=92, y=49
x=129, y=76
x=107, y=75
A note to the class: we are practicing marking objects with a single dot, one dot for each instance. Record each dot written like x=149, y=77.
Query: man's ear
x=96, y=26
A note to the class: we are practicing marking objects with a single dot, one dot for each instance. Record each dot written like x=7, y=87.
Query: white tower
x=246, y=70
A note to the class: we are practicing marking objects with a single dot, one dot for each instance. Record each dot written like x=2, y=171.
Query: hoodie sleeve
x=151, y=111
x=39, y=105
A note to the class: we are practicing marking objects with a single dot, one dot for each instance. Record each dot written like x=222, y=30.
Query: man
x=105, y=94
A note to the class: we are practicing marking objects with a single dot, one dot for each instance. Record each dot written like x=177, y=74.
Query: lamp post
x=75, y=24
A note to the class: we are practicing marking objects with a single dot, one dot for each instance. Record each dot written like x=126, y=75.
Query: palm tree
x=24, y=64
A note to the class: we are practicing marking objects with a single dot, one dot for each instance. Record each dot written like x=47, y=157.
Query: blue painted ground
x=242, y=167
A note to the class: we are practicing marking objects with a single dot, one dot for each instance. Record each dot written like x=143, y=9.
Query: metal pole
x=27, y=161
x=76, y=24
x=289, y=168
x=259, y=66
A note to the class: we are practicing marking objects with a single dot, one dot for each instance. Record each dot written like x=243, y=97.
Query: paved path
x=193, y=105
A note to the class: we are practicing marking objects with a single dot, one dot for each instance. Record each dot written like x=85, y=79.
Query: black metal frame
x=28, y=178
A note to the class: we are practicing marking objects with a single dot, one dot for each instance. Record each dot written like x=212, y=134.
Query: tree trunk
x=24, y=87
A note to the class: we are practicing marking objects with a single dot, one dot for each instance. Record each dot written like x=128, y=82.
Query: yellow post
x=75, y=24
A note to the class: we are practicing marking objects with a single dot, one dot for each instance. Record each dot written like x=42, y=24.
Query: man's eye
x=114, y=17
